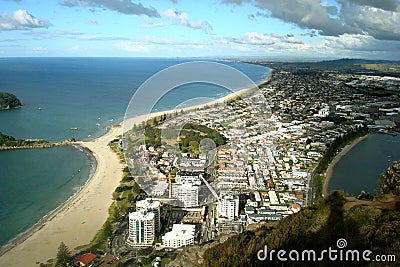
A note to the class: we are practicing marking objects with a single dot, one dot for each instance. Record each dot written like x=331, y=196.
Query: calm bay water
x=34, y=182
x=362, y=166
x=63, y=93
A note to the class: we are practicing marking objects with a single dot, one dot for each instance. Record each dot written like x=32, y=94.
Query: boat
x=389, y=132
x=74, y=128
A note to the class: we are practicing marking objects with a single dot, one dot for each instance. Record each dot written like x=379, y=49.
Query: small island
x=9, y=101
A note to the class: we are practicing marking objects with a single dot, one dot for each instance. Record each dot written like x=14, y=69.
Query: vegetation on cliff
x=389, y=182
x=8, y=101
x=9, y=141
x=371, y=225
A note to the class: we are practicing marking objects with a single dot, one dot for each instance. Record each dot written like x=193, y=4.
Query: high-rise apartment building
x=141, y=229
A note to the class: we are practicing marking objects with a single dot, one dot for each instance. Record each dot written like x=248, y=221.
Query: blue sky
x=272, y=29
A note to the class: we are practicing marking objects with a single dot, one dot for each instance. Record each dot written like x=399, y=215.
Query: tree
x=8, y=101
x=107, y=228
x=63, y=256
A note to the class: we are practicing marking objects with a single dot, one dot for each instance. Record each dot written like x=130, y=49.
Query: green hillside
x=8, y=101
x=9, y=141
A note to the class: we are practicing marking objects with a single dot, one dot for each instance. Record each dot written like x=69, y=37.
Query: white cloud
x=345, y=45
x=132, y=46
x=74, y=48
x=92, y=21
x=262, y=39
x=379, y=19
x=360, y=42
x=183, y=19
x=348, y=41
x=124, y=6
x=21, y=20
x=289, y=38
x=255, y=38
x=69, y=32
x=308, y=14
x=39, y=49
x=153, y=24
x=100, y=38
x=389, y=5
x=379, y=23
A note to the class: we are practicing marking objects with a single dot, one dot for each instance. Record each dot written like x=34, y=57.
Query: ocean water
x=63, y=93
x=34, y=182
x=86, y=93
x=362, y=166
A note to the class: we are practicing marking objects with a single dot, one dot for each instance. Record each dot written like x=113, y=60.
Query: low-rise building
x=181, y=235
x=226, y=226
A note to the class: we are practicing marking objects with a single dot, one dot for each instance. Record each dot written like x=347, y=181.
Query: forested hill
x=9, y=141
x=8, y=101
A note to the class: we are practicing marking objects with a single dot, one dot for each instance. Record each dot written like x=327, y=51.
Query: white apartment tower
x=150, y=205
x=141, y=229
x=228, y=207
x=187, y=194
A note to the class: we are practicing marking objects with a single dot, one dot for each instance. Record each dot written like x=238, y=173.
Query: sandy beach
x=77, y=221
x=128, y=123
x=337, y=158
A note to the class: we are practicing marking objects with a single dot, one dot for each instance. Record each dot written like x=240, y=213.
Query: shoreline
x=20, y=238
x=336, y=159
x=128, y=123
x=85, y=212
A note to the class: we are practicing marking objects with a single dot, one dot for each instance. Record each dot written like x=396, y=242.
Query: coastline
x=338, y=157
x=77, y=220
x=39, y=224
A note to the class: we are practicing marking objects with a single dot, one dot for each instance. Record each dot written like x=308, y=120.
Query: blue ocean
x=59, y=95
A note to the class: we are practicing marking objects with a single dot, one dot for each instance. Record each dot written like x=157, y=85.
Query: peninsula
x=9, y=101
x=9, y=142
